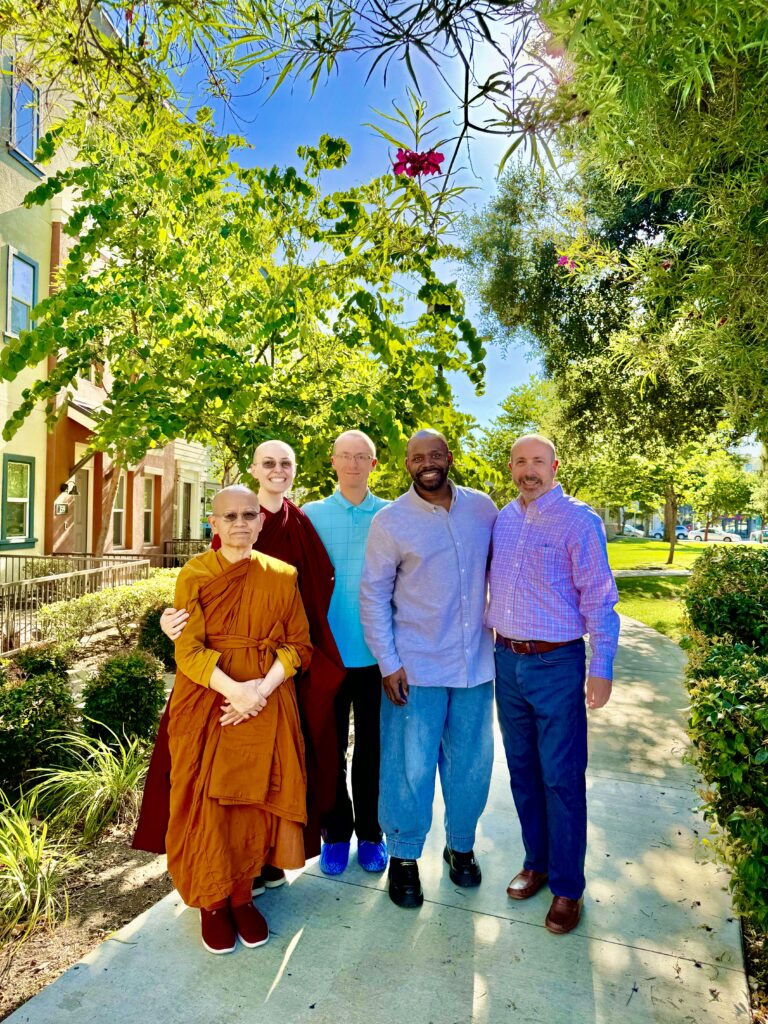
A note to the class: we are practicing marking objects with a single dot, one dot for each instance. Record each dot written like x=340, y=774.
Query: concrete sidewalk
x=658, y=940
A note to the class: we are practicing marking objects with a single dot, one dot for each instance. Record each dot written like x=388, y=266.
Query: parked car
x=715, y=533
x=681, y=533
x=758, y=535
x=630, y=530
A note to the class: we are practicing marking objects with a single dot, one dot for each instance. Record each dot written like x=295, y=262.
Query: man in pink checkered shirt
x=550, y=583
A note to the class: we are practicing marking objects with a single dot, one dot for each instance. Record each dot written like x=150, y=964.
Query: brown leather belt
x=533, y=646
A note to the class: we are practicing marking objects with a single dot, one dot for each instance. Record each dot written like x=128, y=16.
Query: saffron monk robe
x=238, y=779
x=286, y=534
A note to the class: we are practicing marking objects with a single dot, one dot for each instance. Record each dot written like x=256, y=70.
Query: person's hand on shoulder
x=173, y=621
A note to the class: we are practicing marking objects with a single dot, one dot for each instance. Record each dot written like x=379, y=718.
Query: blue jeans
x=543, y=719
x=439, y=728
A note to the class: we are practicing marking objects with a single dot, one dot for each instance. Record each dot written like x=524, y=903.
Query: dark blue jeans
x=543, y=719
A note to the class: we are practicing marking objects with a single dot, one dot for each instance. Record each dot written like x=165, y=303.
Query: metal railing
x=20, y=600
x=27, y=567
x=179, y=550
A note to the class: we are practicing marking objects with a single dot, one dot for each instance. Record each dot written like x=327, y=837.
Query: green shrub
x=101, y=784
x=728, y=594
x=118, y=607
x=30, y=711
x=728, y=725
x=32, y=872
x=43, y=659
x=151, y=638
x=125, y=698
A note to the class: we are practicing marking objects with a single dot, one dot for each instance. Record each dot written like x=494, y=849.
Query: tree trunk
x=107, y=504
x=670, y=521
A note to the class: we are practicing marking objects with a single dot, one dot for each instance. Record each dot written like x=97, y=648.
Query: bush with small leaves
x=120, y=608
x=32, y=711
x=43, y=659
x=727, y=594
x=727, y=677
x=151, y=638
x=728, y=725
x=125, y=698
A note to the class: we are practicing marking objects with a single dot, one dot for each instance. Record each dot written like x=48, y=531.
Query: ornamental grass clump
x=33, y=869
x=100, y=785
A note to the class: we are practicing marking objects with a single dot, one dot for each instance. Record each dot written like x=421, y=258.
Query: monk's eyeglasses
x=271, y=464
x=248, y=516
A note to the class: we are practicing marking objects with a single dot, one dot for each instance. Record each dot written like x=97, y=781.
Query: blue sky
x=275, y=126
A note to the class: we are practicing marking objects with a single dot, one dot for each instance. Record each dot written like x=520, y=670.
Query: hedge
x=727, y=678
x=118, y=607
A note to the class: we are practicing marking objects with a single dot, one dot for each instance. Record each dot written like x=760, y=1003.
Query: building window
x=22, y=292
x=18, y=499
x=149, y=509
x=25, y=118
x=118, y=515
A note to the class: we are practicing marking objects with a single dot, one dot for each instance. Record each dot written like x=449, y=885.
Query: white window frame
x=14, y=254
x=119, y=510
x=149, y=510
x=16, y=83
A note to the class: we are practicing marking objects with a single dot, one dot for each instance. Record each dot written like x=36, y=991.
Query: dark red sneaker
x=252, y=929
x=218, y=928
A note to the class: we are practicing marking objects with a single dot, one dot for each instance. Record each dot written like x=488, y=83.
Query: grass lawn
x=642, y=553
x=656, y=602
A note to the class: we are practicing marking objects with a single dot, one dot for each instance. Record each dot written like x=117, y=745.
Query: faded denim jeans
x=440, y=728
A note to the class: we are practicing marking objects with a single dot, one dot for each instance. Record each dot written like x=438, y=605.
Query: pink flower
x=567, y=262
x=411, y=163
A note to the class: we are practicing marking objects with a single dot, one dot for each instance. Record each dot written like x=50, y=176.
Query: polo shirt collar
x=365, y=505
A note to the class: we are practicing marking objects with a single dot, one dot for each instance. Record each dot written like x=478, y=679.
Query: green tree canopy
x=231, y=304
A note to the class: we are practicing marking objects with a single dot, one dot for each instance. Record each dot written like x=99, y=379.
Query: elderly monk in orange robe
x=238, y=780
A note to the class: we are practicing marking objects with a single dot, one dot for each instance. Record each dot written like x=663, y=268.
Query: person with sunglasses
x=289, y=535
x=238, y=777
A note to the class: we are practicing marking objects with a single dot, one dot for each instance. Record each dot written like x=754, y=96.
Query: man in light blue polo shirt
x=342, y=521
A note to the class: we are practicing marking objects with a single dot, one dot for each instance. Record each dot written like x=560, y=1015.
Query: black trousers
x=360, y=692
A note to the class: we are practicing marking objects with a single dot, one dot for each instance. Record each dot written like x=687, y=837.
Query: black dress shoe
x=464, y=869
x=404, y=883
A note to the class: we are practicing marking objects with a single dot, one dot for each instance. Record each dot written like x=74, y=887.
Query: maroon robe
x=291, y=537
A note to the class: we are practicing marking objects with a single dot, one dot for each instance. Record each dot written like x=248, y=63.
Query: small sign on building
x=61, y=508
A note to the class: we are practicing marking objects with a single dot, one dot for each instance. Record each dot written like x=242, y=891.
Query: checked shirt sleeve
x=596, y=587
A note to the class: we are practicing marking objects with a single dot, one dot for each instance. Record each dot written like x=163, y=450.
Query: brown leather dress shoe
x=525, y=884
x=563, y=915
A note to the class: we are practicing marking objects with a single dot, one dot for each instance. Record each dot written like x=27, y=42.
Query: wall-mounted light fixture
x=69, y=489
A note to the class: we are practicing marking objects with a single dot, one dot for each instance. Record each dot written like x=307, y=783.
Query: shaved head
x=238, y=491
x=428, y=435
x=276, y=449
x=355, y=435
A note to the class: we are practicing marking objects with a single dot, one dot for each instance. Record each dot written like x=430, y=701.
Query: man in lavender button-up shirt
x=550, y=583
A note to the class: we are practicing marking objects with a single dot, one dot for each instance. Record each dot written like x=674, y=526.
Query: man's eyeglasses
x=248, y=516
x=359, y=460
